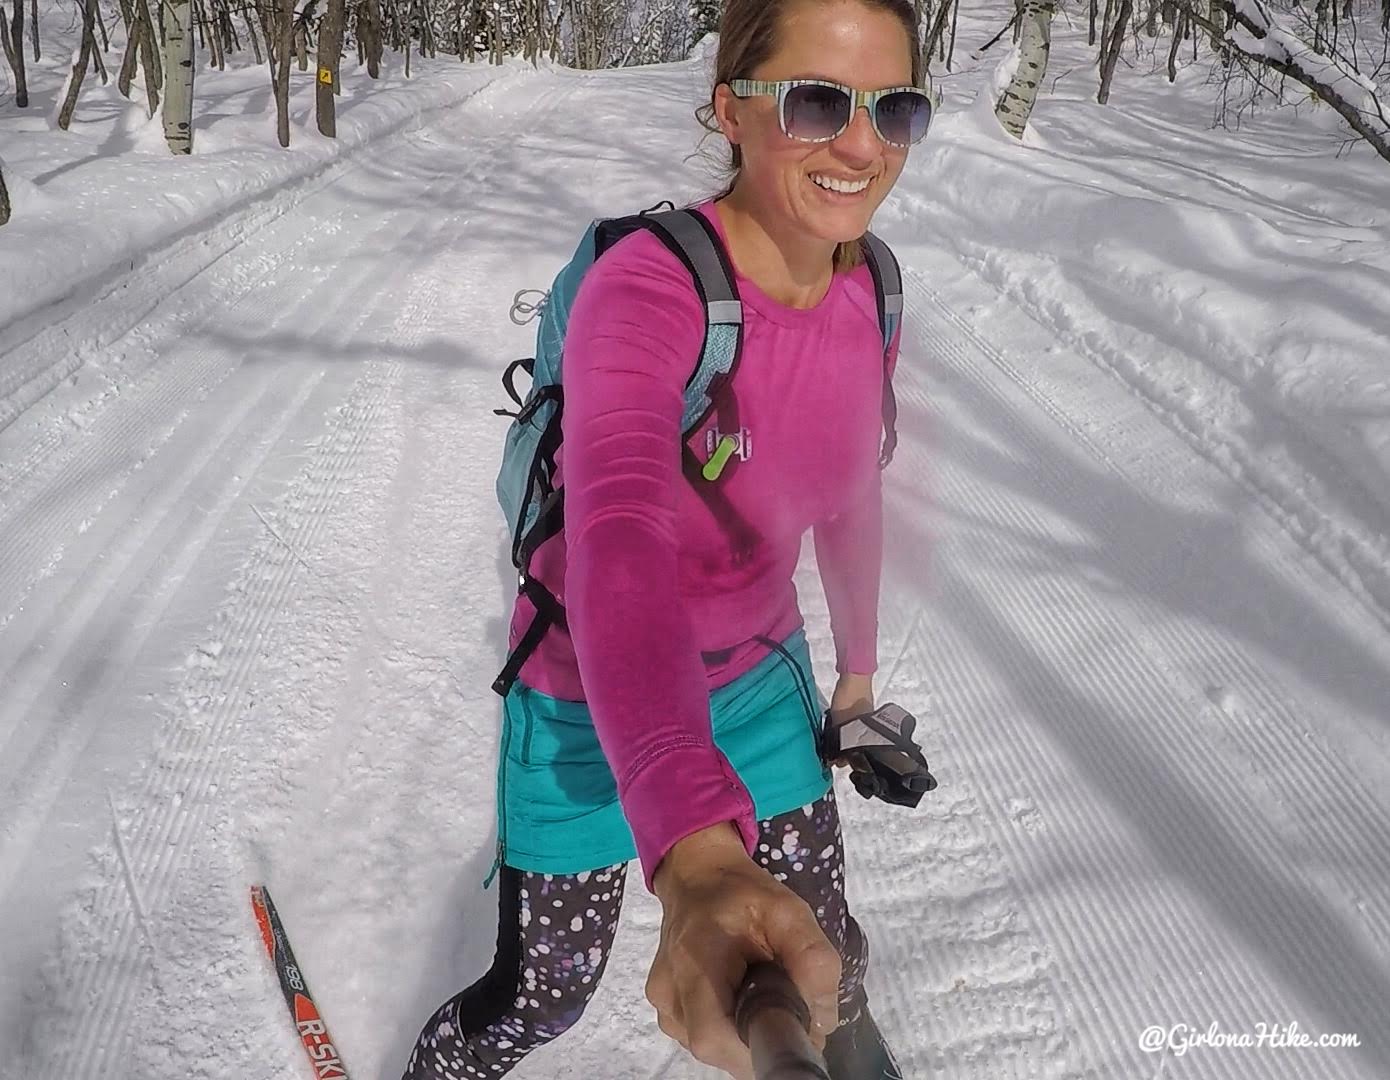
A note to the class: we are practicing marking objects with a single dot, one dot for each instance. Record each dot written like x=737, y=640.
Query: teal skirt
x=557, y=801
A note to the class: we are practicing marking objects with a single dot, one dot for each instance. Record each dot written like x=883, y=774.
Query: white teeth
x=843, y=186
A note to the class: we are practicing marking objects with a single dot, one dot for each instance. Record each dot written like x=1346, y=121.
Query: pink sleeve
x=849, y=554
x=634, y=336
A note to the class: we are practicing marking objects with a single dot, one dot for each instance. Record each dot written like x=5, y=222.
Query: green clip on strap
x=714, y=467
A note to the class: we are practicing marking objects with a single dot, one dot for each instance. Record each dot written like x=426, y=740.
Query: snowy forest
x=1335, y=53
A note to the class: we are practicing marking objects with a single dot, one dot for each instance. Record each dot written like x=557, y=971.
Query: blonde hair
x=747, y=38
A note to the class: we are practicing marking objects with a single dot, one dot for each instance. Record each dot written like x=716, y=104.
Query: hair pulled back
x=748, y=37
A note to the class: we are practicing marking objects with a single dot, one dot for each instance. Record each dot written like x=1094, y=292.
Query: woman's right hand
x=722, y=912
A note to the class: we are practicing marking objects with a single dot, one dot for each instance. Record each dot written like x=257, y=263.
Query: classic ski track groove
x=156, y=274
x=159, y=401
x=1360, y=551
x=196, y=752
x=1349, y=805
x=172, y=314
x=1146, y=683
x=39, y=758
x=181, y=774
x=120, y=313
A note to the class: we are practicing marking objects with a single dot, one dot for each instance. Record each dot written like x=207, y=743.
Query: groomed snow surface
x=252, y=579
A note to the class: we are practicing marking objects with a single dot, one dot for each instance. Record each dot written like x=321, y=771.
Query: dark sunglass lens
x=903, y=117
x=816, y=112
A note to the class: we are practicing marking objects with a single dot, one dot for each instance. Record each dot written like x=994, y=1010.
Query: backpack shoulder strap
x=888, y=285
x=689, y=236
x=888, y=290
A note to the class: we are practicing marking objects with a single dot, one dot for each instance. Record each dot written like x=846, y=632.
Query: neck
x=792, y=269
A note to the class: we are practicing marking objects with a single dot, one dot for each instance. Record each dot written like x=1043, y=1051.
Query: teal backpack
x=533, y=505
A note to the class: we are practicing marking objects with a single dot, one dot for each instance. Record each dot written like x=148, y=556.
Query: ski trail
x=182, y=802
x=1093, y=683
x=47, y=347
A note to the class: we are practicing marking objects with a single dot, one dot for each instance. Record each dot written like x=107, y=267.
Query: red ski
x=313, y=1032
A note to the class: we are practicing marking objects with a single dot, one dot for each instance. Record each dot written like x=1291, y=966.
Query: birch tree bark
x=1033, y=48
x=330, y=56
x=178, y=64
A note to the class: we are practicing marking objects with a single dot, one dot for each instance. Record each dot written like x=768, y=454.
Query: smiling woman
x=671, y=714
x=868, y=44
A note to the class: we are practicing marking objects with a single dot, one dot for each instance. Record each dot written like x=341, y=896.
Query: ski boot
x=856, y=1051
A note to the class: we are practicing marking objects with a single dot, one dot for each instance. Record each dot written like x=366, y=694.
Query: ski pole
x=774, y=1022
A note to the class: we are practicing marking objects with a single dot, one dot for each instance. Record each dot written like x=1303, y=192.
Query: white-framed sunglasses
x=815, y=110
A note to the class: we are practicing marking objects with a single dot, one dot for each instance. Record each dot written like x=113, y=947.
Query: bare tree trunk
x=12, y=37
x=178, y=63
x=1151, y=20
x=938, y=30
x=922, y=9
x=370, y=32
x=255, y=39
x=537, y=38
x=955, y=20
x=129, y=61
x=34, y=26
x=1091, y=34
x=79, y=67
x=1173, y=50
x=1034, y=47
x=208, y=35
x=150, y=55
x=284, y=46
x=1110, y=53
x=559, y=21
x=330, y=56
x=4, y=191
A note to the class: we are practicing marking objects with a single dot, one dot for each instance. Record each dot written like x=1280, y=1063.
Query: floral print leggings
x=556, y=931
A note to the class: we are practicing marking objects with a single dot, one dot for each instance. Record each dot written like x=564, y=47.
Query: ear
x=726, y=107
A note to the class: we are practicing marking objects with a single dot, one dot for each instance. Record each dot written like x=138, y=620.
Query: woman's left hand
x=853, y=696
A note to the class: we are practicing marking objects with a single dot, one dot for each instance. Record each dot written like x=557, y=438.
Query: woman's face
x=844, y=42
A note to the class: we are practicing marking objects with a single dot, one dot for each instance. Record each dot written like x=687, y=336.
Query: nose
x=859, y=143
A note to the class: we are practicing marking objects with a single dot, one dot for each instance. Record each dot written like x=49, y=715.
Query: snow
x=253, y=581
x=1279, y=43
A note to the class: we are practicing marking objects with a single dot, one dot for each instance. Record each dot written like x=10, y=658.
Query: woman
x=674, y=718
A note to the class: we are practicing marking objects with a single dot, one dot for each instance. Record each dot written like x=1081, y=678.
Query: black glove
x=884, y=761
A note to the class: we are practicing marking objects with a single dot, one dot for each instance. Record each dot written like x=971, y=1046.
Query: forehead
x=843, y=41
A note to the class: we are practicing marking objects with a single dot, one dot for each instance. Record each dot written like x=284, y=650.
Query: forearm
x=641, y=669
x=655, y=730
x=849, y=553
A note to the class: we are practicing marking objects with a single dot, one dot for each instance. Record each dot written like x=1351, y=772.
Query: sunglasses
x=813, y=110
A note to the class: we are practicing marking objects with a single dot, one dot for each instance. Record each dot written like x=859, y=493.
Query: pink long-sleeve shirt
x=660, y=611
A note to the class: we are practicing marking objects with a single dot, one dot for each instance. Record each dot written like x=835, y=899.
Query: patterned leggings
x=555, y=935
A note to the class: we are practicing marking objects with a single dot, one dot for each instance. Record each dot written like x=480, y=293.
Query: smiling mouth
x=843, y=191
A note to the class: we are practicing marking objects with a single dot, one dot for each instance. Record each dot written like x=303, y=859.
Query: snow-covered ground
x=252, y=584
